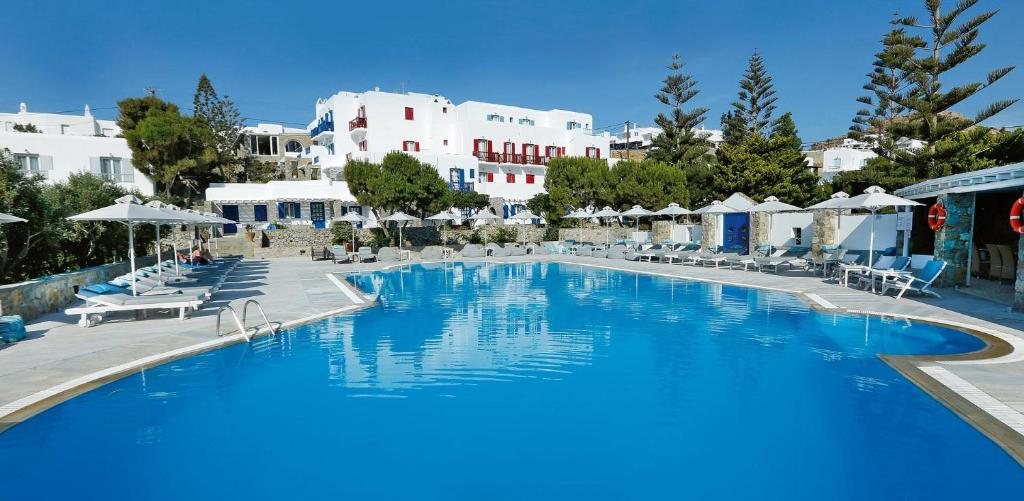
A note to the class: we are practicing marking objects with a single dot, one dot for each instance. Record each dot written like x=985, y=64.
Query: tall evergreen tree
x=887, y=80
x=752, y=111
x=943, y=46
x=221, y=117
x=679, y=144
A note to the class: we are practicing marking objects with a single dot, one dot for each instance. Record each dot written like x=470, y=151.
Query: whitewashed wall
x=782, y=229
x=855, y=230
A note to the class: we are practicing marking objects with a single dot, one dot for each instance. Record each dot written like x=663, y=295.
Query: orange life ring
x=1015, y=212
x=937, y=216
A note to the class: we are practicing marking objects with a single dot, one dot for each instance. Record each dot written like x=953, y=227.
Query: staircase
x=233, y=245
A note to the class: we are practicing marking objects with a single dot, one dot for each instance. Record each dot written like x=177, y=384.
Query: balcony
x=510, y=158
x=357, y=123
x=322, y=127
x=461, y=186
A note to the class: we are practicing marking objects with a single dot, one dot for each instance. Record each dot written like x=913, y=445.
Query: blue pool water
x=527, y=381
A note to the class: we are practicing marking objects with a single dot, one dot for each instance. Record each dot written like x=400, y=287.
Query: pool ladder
x=247, y=333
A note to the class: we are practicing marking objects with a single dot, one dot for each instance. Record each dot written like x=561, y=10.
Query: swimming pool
x=527, y=381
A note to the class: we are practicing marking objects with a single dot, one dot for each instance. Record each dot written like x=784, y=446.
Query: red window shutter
x=490, y=146
x=524, y=149
x=598, y=153
x=529, y=179
x=408, y=113
x=490, y=177
x=510, y=178
x=405, y=146
x=418, y=146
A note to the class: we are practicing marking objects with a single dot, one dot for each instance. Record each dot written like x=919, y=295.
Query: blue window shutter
x=280, y=210
x=298, y=210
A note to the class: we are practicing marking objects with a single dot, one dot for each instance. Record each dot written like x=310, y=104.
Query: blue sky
x=606, y=58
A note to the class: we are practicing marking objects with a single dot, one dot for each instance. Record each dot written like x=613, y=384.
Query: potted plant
x=250, y=233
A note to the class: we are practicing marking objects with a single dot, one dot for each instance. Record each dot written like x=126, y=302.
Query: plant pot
x=250, y=236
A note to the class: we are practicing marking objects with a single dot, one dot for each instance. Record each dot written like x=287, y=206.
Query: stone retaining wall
x=35, y=298
x=952, y=241
x=594, y=234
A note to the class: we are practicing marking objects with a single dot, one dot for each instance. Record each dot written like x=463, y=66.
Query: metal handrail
x=241, y=326
x=241, y=323
x=245, y=311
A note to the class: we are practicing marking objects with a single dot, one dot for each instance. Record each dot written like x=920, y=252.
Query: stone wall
x=1018, y=285
x=596, y=234
x=35, y=298
x=952, y=241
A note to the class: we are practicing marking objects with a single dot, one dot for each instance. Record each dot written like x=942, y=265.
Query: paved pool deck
x=989, y=392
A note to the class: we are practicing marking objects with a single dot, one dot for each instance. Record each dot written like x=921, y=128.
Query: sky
x=274, y=59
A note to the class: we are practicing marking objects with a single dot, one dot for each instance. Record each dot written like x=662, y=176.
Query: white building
x=641, y=138
x=312, y=203
x=850, y=155
x=495, y=149
x=67, y=144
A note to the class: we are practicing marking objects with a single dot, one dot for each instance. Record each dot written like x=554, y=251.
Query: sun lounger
x=96, y=305
x=366, y=254
x=653, y=252
x=919, y=282
x=617, y=251
x=793, y=256
x=697, y=257
x=880, y=273
x=495, y=250
x=432, y=253
x=388, y=255
x=473, y=250
x=515, y=250
x=339, y=254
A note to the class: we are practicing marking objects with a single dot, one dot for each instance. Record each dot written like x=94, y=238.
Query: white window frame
x=26, y=161
x=113, y=175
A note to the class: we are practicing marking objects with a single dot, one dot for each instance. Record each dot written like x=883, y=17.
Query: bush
x=342, y=232
x=505, y=235
x=475, y=237
x=551, y=233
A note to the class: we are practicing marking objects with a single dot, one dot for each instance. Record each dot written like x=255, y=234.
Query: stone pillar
x=952, y=241
x=708, y=231
x=823, y=229
x=661, y=231
x=758, y=229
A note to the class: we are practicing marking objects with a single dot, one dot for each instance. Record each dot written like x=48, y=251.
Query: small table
x=855, y=268
x=887, y=275
x=404, y=255
x=354, y=256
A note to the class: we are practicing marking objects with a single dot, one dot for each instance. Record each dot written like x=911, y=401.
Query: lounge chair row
x=159, y=287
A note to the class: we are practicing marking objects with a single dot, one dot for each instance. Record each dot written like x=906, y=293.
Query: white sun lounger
x=98, y=304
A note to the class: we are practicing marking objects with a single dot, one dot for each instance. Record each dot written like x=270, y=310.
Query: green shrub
x=505, y=235
x=342, y=232
x=551, y=233
x=476, y=237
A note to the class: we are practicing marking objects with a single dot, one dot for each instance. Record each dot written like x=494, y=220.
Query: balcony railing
x=510, y=158
x=461, y=186
x=321, y=127
x=357, y=123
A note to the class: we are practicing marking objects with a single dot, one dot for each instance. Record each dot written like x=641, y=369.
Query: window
x=65, y=129
x=410, y=146
x=408, y=113
x=863, y=162
x=444, y=109
x=798, y=237
x=293, y=146
x=837, y=162
x=29, y=163
x=472, y=173
x=510, y=178
x=110, y=169
x=446, y=142
x=573, y=125
x=494, y=117
x=529, y=179
x=263, y=145
x=490, y=177
x=363, y=146
x=290, y=210
x=510, y=148
x=593, y=152
x=526, y=121
x=330, y=149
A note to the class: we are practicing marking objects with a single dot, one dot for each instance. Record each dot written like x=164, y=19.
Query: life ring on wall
x=1015, y=213
x=937, y=217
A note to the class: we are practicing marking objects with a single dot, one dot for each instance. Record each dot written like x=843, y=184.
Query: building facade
x=283, y=146
x=496, y=149
x=313, y=203
x=60, y=145
x=641, y=138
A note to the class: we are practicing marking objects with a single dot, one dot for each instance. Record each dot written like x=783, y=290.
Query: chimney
x=88, y=112
x=23, y=108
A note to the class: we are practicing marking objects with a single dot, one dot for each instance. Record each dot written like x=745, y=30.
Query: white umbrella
x=716, y=207
x=579, y=214
x=873, y=199
x=673, y=210
x=184, y=218
x=527, y=217
x=400, y=217
x=606, y=213
x=485, y=216
x=637, y=212
x=771, y=205
x=7, y=218
x=443, y=216
x=353, y=218
x=130, y=211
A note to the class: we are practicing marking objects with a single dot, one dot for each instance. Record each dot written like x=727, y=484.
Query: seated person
x=198, y=257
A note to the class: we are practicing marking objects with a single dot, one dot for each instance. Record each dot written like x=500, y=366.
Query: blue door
x=230, y=212
x=316, y=213
x=259, y=213
x=457, y=179
x=736, y=234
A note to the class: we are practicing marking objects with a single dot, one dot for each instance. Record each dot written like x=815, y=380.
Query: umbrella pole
x=131, y=255
x=174, y=249
x=159, y=268
x=354, y=248
x=871, y=239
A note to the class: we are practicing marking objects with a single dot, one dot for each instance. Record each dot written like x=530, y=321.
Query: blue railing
x=321, y=127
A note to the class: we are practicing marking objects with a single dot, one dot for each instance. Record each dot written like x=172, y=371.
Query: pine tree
x=886, y=82
x=944, y=47
x=752, y=111
x=679, y=144
x=222, y=119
